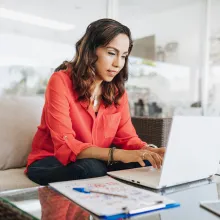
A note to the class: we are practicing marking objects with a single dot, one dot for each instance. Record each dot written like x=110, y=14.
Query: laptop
x=192, y=154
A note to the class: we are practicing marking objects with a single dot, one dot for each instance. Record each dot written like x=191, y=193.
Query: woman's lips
x=111, y=73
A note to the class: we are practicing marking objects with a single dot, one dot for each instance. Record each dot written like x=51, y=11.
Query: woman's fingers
x=154, y=158
x=158, y=159
x=151, y=160
x=141, y=162
x=162, y=151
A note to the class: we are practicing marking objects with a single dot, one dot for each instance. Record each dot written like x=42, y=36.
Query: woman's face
x=111, y=58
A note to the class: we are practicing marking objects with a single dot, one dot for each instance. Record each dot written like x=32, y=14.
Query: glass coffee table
x=46, y=204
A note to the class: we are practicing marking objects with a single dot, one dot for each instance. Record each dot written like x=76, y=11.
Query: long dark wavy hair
x=98, y=33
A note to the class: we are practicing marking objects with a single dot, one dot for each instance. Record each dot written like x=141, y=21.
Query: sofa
x=19, y=118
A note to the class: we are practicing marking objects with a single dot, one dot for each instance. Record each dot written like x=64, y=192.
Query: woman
x=86, y=111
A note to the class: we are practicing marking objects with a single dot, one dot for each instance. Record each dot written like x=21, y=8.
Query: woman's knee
x=91, y=167
x=51, y=170
x=41, y=171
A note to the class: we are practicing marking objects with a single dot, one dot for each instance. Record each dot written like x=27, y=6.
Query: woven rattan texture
x=153, y=130
x=9, y=212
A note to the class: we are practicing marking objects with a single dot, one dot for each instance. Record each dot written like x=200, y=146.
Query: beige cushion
x=19, y=118
x=14, y=179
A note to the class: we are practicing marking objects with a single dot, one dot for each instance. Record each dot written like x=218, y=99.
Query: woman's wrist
x=145, y=147
x=117, y=154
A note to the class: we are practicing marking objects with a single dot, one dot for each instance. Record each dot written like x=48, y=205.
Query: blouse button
x=65, y=137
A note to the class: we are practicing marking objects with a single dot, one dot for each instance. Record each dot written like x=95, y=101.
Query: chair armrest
x=153, y=130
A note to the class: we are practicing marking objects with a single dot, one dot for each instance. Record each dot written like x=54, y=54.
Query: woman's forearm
x=99, y=153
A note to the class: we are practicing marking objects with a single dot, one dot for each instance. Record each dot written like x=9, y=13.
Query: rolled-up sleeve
x=58, y=120
x=126, y=136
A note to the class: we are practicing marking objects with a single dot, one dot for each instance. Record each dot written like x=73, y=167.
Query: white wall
x=23, y=50
x=182, y=24
x=28, y=44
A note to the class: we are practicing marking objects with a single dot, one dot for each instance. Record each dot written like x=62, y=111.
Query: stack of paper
x=137, y=200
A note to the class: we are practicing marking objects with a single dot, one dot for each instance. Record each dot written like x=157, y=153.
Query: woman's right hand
x=128, y=156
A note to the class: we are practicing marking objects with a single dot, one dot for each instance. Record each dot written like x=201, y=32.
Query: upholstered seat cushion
x=19, y=118
x=14, y=179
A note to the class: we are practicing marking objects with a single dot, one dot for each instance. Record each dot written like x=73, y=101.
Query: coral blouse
x=68, y=127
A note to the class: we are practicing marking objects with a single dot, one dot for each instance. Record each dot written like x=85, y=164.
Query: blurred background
x=174, y=68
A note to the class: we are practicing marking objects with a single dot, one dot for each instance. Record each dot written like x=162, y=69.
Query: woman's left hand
x=161, y=151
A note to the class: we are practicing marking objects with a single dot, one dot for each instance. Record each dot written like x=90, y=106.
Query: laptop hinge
x=210, y=178
x=163, y=189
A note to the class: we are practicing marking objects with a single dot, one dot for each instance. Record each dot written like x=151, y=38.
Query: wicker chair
x=10, y=212
x=153, y=130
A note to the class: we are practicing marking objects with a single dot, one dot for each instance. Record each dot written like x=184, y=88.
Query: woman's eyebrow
x=116, y=50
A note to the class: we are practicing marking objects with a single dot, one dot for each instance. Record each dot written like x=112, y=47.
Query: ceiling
x=152, y=7
x=60, y=10
x=80, y=13
x=77, y=12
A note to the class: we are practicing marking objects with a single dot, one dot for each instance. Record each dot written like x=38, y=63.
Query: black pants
x=49, y=169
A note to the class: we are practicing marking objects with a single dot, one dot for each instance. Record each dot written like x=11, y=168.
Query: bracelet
x=110, y=156
x=112, y=159
x=152, y=145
